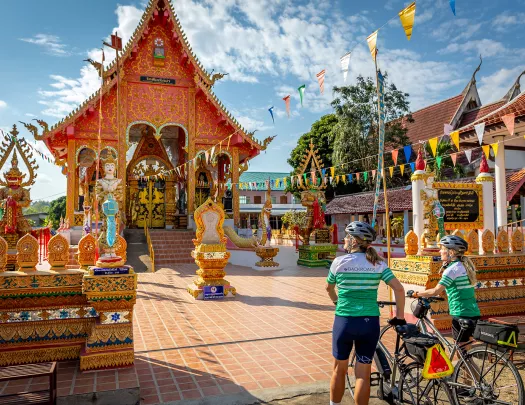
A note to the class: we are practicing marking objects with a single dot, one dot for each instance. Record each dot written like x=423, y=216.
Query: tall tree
x=356, y=131
x=446, y=170
x=57, y=210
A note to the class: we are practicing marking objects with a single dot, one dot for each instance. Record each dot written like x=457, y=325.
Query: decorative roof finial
x=477, y=70
x=420, y=162
x=484, y=166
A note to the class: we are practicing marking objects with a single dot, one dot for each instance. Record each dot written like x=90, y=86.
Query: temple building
x=159, y=113
x=461, y=112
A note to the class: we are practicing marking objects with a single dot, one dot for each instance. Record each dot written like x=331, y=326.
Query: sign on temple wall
x=463, y=204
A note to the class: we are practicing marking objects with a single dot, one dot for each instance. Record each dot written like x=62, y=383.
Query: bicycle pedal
x=375, y=379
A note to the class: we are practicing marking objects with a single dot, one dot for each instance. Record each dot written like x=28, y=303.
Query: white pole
x=486, y=180
x=501, y=183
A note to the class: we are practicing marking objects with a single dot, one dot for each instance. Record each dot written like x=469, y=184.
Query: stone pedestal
x=317, y=255
x=266, y=254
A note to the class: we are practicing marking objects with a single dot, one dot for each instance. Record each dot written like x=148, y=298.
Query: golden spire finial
x=14, y=160
x=14, y=131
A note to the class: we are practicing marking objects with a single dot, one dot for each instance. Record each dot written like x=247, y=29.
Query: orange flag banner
x=407, y=19
x=372, y=44
x=395, y=152
x=486, y=149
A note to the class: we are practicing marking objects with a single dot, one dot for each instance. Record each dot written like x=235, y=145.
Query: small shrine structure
x=158, y=111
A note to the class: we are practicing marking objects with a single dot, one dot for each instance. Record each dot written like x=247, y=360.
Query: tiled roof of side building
x=429, y=121
x=261, y=177
x=400, y=199
x=471, y=116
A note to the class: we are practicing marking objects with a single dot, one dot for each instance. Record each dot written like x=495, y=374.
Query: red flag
x=454, y=156
x=287, y=102
x=320, y=79
x=395, y=152
x=358, y=175
x=508, y=120
x=116, y=42
x=373, y=174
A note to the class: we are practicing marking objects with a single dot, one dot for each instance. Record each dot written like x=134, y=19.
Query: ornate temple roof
x=203, y=80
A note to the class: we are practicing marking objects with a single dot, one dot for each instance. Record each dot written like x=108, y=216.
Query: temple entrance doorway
x=151, y=204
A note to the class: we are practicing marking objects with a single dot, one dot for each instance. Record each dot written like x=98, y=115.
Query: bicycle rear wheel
x=414, y=389
x=499, y=380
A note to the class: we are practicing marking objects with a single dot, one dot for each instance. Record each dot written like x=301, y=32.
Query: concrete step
x=172, y=246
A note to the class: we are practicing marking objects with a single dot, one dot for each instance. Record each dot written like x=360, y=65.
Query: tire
x=414, y=389
x=502, y=378
x=384, y=391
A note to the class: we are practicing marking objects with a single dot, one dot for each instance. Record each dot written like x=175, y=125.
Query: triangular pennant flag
x=320, y=79
x=495, y=148
x=212, y=152
x=453, y=6
x=412, y=167
x=207, y=157
x=402, y=168
x=301, y=90
x=323, y=172
x=508, y=120
x=438, y=161
x=270, y=110
x=373, y=174
x=350, y=178
x=395, y=152
x=391, y=169
x=336, y=179
x=325, y=180
x=358, y=175
x=468, y=154
x=372, y=42
x=480, y=131
x=454, y=157
x=287, y=103
x=407, y=19
x=332, y=171
x=304, y=177
x=454, y=137
x=345, y=62
x=433, y=145
x=486, y=150
x=447, y=129
x=365, y=176
x=408, y=152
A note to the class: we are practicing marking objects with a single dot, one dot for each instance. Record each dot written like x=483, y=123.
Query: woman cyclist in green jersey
x=357, y=276
x=458, y=280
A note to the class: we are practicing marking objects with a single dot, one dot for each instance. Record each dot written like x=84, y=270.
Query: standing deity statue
x=13, y=198
x=429, y=197
x=109, y=194
x=265, y=219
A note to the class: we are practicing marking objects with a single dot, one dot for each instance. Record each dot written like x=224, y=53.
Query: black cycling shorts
x=456, y=329
x=361, y=330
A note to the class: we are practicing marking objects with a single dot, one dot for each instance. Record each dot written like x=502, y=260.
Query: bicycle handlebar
x=381, y=304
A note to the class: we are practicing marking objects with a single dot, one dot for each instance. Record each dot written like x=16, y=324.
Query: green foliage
x=57, y=210
x=447, y=169
x=37, y=207
x=356, y=131
x=397, y=227
x=292, y=218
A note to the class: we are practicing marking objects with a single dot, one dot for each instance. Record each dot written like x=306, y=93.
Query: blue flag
x=350, y=178
x=408, y=152
x=413, y=167
x=271, y=113
x=453, y=6
x=323, y=172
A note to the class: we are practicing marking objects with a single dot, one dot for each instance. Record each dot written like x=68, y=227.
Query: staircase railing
x=150, y=246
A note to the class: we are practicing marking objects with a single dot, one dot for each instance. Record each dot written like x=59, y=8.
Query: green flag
x=365, y=175
x=438, y=161
x=301, y=92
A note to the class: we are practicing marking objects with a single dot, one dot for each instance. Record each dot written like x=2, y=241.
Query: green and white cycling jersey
x=357, y=282
x=460, y=292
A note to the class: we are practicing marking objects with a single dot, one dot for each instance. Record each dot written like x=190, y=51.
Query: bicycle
x=476, y=378
x=410, y=387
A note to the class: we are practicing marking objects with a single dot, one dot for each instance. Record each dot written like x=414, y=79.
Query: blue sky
x=268, y=48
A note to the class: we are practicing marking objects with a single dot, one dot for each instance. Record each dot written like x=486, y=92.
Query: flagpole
x=97, y=214
x=387, y=211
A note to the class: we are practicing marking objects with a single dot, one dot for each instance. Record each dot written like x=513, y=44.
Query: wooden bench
x=25, y=371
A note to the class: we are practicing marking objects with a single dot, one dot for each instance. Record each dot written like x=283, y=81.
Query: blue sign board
x=213, y=292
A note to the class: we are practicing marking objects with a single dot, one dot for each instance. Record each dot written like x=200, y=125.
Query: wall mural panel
x=89, y=122
x=206, y=121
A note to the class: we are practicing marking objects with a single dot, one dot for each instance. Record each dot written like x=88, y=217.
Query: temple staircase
x=172, y=246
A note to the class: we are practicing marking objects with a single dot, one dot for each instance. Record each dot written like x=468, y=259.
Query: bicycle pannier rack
x=417, y=346
x=497, y=334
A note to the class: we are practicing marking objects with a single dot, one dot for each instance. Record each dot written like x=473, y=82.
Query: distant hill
x=37, y=207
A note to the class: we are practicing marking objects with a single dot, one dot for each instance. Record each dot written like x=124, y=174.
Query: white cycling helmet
x=361, y=230
x=454, y=242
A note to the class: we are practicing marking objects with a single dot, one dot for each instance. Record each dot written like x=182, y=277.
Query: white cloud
x=51, y=43
x=44, y=178
x=3, y=104
x=493, y=87
x=504, y=21
x=459, y=29
x=30, y=115
x=485, y=47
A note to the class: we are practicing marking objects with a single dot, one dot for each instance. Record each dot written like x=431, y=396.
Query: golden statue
x=264, y=219
x=429, y=197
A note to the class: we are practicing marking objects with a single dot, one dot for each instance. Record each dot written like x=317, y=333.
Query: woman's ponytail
x=372, y=256
x=470, y=268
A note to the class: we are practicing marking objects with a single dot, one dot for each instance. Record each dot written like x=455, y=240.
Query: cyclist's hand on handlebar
x=397, y=322
x=411, y=294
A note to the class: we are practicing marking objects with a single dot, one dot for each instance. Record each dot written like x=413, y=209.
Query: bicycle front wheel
x=491, y=379
x=414, y=389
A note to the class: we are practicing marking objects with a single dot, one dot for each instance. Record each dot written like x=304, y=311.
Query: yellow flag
x=276, y=183
x=486, y=149
x=407, y=19
x=433, y=145
x=372, y=42
x=402, y=168
x=336, y=179
x=332, y=170
x=495, y=148
x=391, y=168
x=454, y=136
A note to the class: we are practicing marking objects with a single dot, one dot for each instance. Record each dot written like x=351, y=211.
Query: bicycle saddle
x=466, y=323
x=407, y=330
